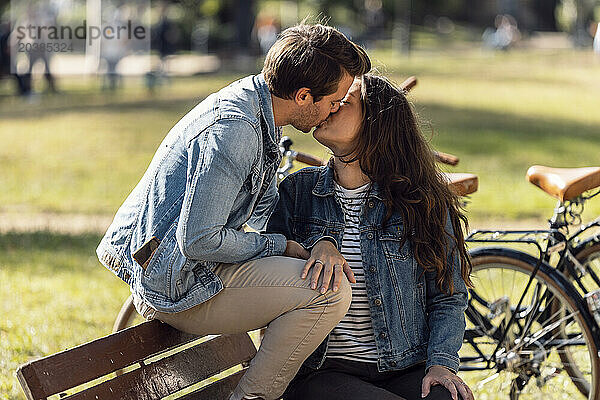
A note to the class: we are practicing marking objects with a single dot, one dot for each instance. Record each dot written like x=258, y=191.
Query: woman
x=382, y=215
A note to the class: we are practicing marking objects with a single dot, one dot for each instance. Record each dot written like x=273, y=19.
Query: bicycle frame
x=546, y=242
x=520, y=317
x=571, y=245
x=521, y=237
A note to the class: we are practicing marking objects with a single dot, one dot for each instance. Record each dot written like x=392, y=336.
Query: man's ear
x=303, y=96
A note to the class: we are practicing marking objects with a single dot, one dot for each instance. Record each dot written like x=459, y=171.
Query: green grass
x=55, y=295
x=82, y=152
x=504, y=113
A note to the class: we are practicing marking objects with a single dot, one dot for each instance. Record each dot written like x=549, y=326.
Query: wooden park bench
x=148, y=361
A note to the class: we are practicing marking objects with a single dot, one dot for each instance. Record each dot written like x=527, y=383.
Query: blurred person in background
x=164, y=36
x=39, y=15
x=7, y=66
x=505, y=35
x=596, y=45
x=113, y=49
x=267, y=28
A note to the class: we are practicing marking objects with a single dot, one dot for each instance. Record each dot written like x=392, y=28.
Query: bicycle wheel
x=127, y=316
x=552, y=320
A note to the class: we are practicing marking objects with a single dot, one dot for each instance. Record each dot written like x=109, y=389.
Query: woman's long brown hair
x=392, y=152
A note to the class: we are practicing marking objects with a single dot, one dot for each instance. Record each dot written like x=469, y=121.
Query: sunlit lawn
x=54, y=295
x=82, y=151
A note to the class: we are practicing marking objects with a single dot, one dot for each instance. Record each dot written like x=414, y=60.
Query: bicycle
x=529, y=330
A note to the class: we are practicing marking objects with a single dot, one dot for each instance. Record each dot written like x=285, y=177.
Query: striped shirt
x=353, y=338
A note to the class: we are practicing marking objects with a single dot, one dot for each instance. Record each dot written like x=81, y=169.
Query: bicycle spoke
x=513, y=286
x=502, y=280
x=546, y=352
x=545, y=329
x=492, y=286
x=540, y=333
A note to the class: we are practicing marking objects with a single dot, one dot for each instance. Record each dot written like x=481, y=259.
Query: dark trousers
x=341, y=379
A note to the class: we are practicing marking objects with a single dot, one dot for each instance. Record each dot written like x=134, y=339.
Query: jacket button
x=371, y=204
x=377, y=302
x=372, y=268
x=370, y=235
x=383, y=335
x=393, y=363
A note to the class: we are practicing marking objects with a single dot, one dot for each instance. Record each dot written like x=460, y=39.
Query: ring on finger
x=319, y=261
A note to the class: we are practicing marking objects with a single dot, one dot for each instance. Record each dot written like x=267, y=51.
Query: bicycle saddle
x=564, y=183
x=462, y=184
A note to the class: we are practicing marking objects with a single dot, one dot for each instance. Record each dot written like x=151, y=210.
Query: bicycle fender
x=585, y=244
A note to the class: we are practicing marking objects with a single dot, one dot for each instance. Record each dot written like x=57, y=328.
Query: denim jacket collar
x=266, y=109
x=325, y=184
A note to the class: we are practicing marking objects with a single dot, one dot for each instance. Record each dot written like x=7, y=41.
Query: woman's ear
x=303, y=96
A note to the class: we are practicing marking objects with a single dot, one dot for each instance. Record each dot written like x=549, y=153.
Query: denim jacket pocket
x=157, y=275
x=160, y=254
x=391, y=237
x=182, y=275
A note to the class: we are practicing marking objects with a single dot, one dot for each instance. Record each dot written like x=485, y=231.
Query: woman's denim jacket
x=413, y=321
x=213, y=172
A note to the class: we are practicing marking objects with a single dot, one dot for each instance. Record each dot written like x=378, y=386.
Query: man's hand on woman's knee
x=325, y=258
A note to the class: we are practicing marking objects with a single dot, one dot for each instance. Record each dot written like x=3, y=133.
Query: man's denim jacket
x=412, y=319
x=213, y=172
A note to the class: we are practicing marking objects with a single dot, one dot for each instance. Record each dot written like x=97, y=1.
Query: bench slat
x=175, y=372
x=217, y=390
x=84, y=363
x=30, y=383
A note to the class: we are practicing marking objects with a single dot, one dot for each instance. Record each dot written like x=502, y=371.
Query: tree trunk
x=545, y=12
x=402, y=32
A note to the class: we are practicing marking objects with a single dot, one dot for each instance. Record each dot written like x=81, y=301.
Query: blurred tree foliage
x=231, y=25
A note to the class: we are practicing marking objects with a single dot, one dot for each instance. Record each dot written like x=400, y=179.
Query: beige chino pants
x=268, y=292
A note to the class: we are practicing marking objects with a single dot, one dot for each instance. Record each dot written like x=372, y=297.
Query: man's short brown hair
x=312, y=56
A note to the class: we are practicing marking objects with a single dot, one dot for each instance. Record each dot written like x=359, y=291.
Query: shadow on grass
x=47, y=252
x=46, y=240
x=87, y=103
x=497, y=134
x=191, y=90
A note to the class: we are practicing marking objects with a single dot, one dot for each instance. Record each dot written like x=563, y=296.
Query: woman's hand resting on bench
x=325, y=258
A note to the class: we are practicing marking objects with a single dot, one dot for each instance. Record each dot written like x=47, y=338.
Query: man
x=178, y=241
